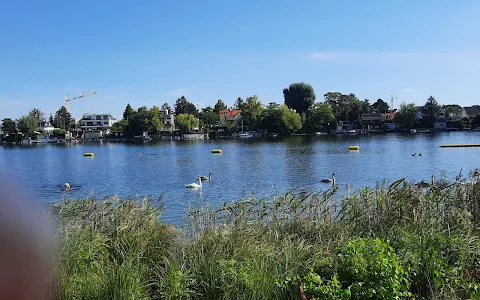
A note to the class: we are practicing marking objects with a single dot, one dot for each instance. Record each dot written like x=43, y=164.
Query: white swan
x=195, y=185
x=328, y=180
x=209, y=178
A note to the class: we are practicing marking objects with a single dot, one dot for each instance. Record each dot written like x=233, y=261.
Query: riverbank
x=393, y=242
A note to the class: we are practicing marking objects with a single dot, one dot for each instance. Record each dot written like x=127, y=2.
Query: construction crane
x=68, y=100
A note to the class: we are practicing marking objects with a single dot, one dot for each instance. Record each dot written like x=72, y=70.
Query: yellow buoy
x=218, y=151
x=89, y=154
x=353, y=148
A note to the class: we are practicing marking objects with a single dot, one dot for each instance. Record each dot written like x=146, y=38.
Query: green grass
x=390, y=241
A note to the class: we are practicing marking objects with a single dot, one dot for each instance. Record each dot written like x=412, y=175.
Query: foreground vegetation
x=389, y=242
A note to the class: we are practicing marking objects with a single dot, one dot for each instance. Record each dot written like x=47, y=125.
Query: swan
x=328, y=180
x=195, y=185
x=201, y=177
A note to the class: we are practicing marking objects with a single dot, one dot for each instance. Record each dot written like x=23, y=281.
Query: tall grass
x=267, y=248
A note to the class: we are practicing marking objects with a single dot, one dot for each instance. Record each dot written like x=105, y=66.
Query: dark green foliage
x=380, y=106
x=27, y=125
x=37, y=114
x=8, y=126
x=63, y=119
x=430, y=111
x=183, y=106
x=345, y=107
x=299, y=96
x=219, y=106
x=405, y=116
x=320, y=119
x=281, y=119
x=252, y=111
x=129, y=111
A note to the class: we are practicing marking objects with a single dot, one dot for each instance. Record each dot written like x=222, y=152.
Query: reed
x=260, y=248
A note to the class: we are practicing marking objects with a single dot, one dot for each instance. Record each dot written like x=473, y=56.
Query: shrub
x=365, y=269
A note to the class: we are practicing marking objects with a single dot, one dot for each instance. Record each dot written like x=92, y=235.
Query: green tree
x=120, y=126
x=430, y=111
x=299, y=96
x=129, y=111
x=138, y=122
x=238, y=103
x=63, y=118
x=380, y=106
x=354, y=107
x=28, y=125
x=320, y=119
x=252, y=112
x=281, y=119
x=219, y=106
x=366, y=107
x=51, y=120
x=344, y=107
x=154, y=121
x=475, y=121
x=186, y=122
x=8, y=126
x=183, y=106
x=208, y=116
x=37, y=114
x=405, y=116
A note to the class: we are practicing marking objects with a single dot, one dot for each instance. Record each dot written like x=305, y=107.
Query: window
x=105, y=117
x=99, y=117
x=105, y=123
x=89, y=123
x=99, y=123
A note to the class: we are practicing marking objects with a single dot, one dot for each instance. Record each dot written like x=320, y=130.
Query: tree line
x=31, y=123
x=300, y=112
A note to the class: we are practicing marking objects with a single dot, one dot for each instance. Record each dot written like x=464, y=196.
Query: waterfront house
x=440, y=123
x=344, y=126
x=168, y=120
x=453, y=112
x=96, y=125
x=418, y=113
x=472, y=111
x=45, y=127
x=232, y=115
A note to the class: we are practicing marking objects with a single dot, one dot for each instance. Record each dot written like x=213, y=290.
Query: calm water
x=245, y=167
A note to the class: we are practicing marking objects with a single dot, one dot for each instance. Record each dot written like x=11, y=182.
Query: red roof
x=229, y=114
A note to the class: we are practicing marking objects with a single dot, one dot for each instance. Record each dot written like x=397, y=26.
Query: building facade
x=95, y=125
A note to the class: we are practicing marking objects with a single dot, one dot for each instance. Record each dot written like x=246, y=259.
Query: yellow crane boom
x=84, y=94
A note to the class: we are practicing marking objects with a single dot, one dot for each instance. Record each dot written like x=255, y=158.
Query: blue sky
x=153, y=51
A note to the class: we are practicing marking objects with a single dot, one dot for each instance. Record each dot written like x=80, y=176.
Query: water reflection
x=244, y=167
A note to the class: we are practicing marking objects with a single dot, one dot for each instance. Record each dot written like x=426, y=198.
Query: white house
x=95, y=125
x=168, y=120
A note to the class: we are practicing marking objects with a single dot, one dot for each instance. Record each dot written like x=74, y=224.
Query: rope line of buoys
x=354, y=148
x=217, y=151
x=90, y=154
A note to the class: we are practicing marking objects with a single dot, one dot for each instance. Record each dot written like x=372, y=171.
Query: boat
x=272, y=134
x=353, y=131
x=413, y=131
x=321, y=133
x=245, y=135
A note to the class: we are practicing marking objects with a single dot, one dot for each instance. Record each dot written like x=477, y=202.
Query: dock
x=459, y=145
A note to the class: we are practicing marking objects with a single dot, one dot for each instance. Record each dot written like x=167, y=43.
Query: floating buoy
x=217, y=151
x=89, y=154
x=353, y=148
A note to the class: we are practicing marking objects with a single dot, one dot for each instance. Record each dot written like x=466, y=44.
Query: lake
x=246, y=166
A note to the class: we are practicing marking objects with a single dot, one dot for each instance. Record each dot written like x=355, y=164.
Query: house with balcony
x=96, y=125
